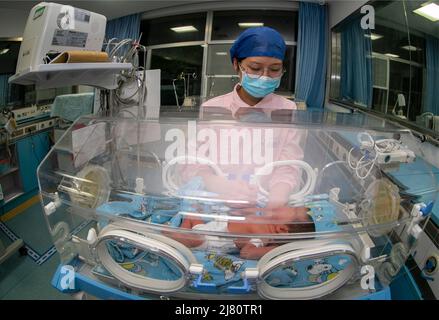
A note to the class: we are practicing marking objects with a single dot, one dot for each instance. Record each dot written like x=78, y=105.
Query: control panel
x=29, y=113
x=24, y=130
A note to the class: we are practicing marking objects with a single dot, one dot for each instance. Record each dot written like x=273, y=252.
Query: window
x=221, y=77
x=219, y=61
x=227, y=26
x=400, y=83
x=15, y=96
x=181, y=74
x=182, y=28
x=288, y=80
x=204, y=69
x=9, y=94
x=395, y=42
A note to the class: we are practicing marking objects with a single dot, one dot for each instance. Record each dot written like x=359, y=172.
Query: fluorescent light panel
x=392, y=55
x=429, y=11
x=374, y=36
x=184, y=29
x=411, y=48
x=250, y=24
x=221, y=53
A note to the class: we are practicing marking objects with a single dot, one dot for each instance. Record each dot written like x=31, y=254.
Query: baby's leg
x=188, y=239
x=190, y=222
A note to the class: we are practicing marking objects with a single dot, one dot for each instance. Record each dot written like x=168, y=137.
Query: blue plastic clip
x=176, y=220
x=245, y=288
x=246, y=177
x=427, y=209
x=203, y=286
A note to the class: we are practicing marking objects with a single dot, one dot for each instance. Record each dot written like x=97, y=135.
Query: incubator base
x=99, y=285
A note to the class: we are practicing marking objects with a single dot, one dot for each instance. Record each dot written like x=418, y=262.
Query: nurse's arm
x=278, y=196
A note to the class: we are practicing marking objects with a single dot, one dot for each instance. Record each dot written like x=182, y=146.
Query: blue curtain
x=124, y=27
x=431, y=101
x=4, y=90
x=356, y=64
x=311, y=54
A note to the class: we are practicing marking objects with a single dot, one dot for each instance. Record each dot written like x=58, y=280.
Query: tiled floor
x=20, y=276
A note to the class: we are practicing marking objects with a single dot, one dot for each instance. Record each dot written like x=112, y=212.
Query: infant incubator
x=134, y=213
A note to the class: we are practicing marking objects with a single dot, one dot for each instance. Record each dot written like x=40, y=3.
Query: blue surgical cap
x=258, y=42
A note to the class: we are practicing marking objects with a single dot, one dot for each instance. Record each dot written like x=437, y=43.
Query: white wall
x=12, y=22
x=340, y=9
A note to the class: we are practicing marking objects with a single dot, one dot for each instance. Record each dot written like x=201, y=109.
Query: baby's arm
x=250, y=251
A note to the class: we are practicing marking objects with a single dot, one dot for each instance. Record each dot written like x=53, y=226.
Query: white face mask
x=259, y=86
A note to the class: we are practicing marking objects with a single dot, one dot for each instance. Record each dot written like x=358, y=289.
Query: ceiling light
x=392, y=55
x=411, y=48
x=184, y=29
x=221, y=53
x=429, y=11
x=373, y=36
x=4, y=51
x=250, y=24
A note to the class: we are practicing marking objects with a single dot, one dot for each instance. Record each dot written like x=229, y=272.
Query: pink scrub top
x=286, y=141
x=232, y=102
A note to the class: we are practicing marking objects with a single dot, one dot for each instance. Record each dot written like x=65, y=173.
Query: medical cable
x=309, y=186
x=370, y=146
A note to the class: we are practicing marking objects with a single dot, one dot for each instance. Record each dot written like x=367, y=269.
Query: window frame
x=208, y=33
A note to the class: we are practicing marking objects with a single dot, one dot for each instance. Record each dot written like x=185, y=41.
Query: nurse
x=257, y=55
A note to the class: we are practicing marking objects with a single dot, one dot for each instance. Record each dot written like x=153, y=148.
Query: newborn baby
x=273, y=221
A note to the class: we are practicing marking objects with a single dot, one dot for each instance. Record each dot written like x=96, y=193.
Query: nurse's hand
x=278, y=196
x=234, y=190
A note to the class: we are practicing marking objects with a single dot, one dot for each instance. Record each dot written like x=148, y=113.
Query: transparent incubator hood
x=299, y=205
